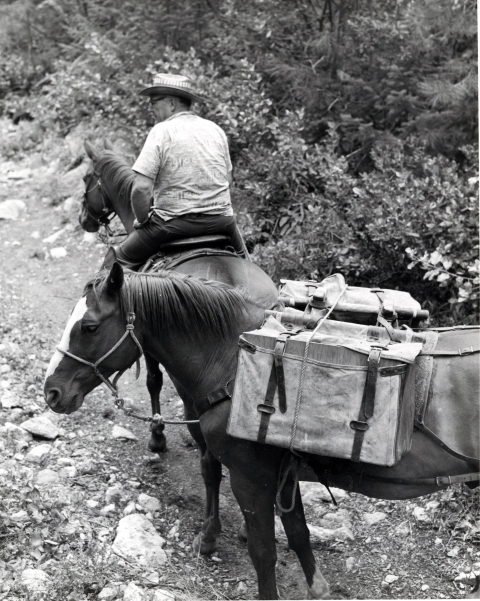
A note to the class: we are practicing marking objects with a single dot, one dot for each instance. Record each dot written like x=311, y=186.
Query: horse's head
x=96, y=207
x=84, y=357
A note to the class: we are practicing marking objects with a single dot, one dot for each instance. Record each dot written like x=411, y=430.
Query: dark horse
x=191, y=326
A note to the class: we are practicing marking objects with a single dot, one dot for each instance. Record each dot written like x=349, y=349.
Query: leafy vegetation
x=353, y=126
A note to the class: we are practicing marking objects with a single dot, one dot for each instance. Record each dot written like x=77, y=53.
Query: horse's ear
x=108, y=145
x=115, y=280
x=89, y=149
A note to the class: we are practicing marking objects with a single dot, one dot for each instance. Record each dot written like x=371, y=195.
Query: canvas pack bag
x=352, y=396
x=357, y=305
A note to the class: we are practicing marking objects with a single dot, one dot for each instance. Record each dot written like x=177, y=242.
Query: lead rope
x=294, y=458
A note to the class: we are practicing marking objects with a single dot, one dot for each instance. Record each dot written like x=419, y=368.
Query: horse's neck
x=200, y=366
x=124, y=211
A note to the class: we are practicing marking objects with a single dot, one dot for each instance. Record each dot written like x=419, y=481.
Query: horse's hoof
x=157, y=444
x=204, y=547
x=242, y=533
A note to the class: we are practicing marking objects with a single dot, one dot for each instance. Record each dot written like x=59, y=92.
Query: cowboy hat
x=171, y=85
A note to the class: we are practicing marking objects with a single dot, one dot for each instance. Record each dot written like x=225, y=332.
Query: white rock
x=109, y=593
x=11, y=209
x=54, y=237
x=129, y=509
x=325, y=534
x=341, y=517
x=92, y=504
x=402, y=529
x=421, y=515
x=139, y=542
x=242, y=588
x=133, y=593
x=69, y=204
x=114, y=495
x=58, y=252
x=9, y=400
x=41, y=426
x=350, y=563
x=5, y=369
x=20, y=516
x=153, y=577
x=17, y=433
x=108, y=509
x=119, y=432
x=149, y=503
x=390, y=578
x=20, y=174
x=38, y=453
x=35, y=581
x=432, y=505
x=425, y=587
x=374, y=518
x=314, y=492
x=89, y=237
x=160, y=594
x=69, y=471
x=46, y=477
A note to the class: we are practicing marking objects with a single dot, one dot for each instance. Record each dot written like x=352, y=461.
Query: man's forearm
x=141, y=196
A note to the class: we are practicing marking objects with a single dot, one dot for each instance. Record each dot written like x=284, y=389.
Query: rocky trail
x=86, y=512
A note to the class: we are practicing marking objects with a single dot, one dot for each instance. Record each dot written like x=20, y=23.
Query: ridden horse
x=191, y=326
x=108, y=187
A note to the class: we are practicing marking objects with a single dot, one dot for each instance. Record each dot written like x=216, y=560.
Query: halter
x=112, y=385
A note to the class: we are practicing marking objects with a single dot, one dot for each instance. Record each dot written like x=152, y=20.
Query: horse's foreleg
x=157, y=442
x=257, y=504
x=298, y=537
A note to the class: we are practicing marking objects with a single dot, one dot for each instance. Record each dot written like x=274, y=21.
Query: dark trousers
x=146, y=240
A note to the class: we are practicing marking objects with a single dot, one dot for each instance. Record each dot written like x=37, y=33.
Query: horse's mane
x=117, y=175
x=166, y=301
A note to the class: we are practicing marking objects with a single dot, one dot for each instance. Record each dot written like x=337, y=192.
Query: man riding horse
x=183, y=176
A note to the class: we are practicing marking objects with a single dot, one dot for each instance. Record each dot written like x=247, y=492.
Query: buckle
x=442, y=480
x=465, y=351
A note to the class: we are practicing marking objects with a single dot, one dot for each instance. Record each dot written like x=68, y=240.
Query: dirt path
x=411, y=549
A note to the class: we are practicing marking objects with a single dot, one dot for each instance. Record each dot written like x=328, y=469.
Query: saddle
x=179, y=251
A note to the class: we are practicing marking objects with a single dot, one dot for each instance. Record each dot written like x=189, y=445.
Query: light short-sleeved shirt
x=188, y=159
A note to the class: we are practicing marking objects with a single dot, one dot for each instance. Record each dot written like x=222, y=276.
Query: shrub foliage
x=352, y=126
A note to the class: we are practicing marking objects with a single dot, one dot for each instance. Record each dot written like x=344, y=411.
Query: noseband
x=112, y=385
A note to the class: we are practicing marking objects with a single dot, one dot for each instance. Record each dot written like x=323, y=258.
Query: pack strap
x=368, y=403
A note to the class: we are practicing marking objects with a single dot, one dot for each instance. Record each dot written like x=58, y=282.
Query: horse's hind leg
x=298, y=537
x=157, y=442
x=207, y=540
x=257, y=504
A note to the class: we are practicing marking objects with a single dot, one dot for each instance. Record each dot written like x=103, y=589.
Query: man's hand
x=141, y=195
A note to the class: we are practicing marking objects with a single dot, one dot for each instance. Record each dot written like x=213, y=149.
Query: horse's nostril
x=52, y=397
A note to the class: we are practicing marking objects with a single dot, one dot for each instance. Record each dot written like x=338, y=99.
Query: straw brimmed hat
x=172, y=85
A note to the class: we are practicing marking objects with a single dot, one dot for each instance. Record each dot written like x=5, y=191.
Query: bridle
x=107, y=214
x=120, y=402
x=112, y=385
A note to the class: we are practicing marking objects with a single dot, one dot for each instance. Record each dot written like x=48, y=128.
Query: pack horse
x=191, y=326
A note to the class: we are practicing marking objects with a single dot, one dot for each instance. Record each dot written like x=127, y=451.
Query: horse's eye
x=90, y=329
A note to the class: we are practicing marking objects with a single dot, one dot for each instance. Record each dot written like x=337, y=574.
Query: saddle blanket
x=351, y=396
